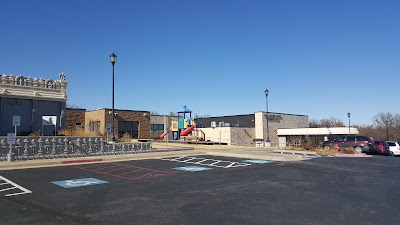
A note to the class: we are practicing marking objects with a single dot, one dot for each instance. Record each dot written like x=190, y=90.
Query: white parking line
x=24, y=190
x=211, y=162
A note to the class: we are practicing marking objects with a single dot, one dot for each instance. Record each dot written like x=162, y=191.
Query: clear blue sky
x=317, y=57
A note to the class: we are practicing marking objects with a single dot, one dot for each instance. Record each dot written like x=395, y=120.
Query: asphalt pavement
x=206, y=189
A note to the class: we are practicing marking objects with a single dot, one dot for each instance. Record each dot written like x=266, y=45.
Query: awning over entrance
x=317, y=131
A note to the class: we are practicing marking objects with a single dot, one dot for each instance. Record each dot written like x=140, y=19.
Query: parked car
x=359, y=143
x=383, y=147
x=394, y=148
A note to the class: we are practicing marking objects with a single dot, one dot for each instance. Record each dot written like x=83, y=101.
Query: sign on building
x=108, y=128
x=11, y=138
x=16, y=121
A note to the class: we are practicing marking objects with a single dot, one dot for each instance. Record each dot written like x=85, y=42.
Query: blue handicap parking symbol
x=78, y=182
x=192, y=168
x=257, y=161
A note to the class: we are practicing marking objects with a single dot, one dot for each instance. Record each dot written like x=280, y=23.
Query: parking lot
x=206, y=189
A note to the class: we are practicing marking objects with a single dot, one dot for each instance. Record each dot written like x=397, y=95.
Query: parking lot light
x=348, y=115
x=266, y=97
x=113, y=59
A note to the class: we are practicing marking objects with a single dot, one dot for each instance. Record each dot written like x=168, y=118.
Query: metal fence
x=26, y=148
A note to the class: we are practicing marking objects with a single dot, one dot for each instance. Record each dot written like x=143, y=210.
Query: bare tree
x=154, y=112
x=313, y=123
x=73, y=106
x=386, y=126
x=331, y=122
x=383, y=121
x=388, y=122
x=202, y=116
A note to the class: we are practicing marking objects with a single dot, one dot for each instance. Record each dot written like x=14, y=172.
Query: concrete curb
x=296, y=152
x=157, y=154
x=254, y=156
x=363, y=155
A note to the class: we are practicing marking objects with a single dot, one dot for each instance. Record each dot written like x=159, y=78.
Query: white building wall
x=217, y=134
x=259, y=125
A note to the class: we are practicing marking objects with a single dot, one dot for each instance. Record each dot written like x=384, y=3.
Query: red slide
x=161, y=137
x=187, y=131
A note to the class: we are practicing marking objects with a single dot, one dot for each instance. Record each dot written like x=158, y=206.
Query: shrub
x=348, y=150
x=73, y=133
x=324, y=152
x=127, y=137
x=35, y=134
x=309, y=144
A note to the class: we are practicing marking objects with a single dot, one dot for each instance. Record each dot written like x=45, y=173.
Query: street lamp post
x=266, y=98
x=387, y=129
x=348, y=115
x=113, y=59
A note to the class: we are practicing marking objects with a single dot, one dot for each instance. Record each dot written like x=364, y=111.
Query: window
x=130, y=127
x=391, y=144
x=351, y=138
x=156, y=130
x=78, y=127
x=94, y=126
x=339, y=139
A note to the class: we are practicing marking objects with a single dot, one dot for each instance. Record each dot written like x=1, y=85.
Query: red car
x=383, y=147
x=359, y=143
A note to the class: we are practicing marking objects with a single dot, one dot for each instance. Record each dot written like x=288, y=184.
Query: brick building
x=134, y=122
x=75, y=119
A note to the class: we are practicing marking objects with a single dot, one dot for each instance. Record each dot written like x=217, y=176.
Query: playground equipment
x=183, y=126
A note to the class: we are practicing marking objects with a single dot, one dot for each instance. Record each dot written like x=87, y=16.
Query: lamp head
x=113, y=58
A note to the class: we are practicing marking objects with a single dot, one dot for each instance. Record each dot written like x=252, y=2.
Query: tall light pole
x=113, y=59
x=348, y=115
x=387, y=129
x=266, y=98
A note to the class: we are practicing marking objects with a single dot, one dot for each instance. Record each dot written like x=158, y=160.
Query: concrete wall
x=31, y=112
x=163, y=119
x=280, y=120
x=217, y=134
x=259, y=125
x=242, y=136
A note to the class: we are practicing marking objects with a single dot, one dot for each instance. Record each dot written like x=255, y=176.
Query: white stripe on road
x=211, y=162
x=25, y=191
x=7, y=189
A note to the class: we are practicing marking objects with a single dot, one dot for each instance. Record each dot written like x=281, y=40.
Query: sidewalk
x=216, y=150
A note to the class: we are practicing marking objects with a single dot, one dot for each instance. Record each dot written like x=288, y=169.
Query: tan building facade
x=131, y=122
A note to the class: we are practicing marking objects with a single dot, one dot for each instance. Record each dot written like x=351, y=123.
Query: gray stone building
x=159, y=124
x=32, y=99
x=249, y=129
